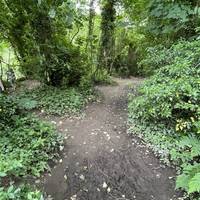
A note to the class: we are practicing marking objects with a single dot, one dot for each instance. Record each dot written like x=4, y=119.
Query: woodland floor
x=101, y=161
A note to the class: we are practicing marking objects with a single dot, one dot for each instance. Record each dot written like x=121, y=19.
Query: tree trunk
x=89, y=44
x=107, y=40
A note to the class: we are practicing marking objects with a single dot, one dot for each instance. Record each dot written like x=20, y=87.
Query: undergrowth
x=24, y=192
x=166, y=113
x=102, y=77
x=56, y=101
x=26, y=146
x=27, y=143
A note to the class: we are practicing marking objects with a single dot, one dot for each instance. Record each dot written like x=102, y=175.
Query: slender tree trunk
x=107, y=40
x=90, y=28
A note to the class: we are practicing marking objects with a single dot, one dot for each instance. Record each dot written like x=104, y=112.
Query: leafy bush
x=187, y=154
x=101, y=76
x=26, y=147
x=160, y=56
x=156, y=57
x=167, y=110
x=26, y=103
x=190, y=178
x=8, y=108
x=68, y=66
x=58, y=101
x=21, y=193
x=187, y=150
x=172, y=94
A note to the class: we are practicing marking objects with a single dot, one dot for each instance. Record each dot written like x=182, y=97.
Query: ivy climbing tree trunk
x=32, y=33
x=43, y=33
x=107, y=40
x=90, y=37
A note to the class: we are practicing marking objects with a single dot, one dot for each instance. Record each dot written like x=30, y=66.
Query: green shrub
x=190, y=178
x=58, y=101
x=21, y=193
x=156, y=57
x=8, y=108
x=101, y=76
x=187, y=150
x=160, y=56
x=26, y=147
x=187, y=155
x=68, y=66
x=172, y=94
x=167, y=110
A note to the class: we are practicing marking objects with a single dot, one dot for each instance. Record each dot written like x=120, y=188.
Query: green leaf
x=3, y=174
x=182, y=181
x=39, y=2
x=52, y=13
x=194, y=184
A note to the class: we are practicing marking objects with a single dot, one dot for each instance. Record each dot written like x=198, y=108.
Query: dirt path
x=101, y=162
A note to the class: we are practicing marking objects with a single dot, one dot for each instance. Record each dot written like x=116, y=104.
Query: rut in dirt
x=102, y=162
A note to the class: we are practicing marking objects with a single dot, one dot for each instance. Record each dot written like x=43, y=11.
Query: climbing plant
x=33, y=30
x=107, y=40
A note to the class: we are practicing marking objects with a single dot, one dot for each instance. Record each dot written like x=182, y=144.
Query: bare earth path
x=101, y=162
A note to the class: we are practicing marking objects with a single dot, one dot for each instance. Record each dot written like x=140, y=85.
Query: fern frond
x=194, y=184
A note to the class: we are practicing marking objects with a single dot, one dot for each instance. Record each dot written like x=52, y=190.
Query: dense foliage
x=26, y=144
x=174, y=89
x=21, y=193
x=168, y=20
x=26, y=147
x=36, y=30
x=167, y=109
x=56, y=101
x=68, y=46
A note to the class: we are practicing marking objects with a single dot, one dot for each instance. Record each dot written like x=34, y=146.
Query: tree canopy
x=68, y=46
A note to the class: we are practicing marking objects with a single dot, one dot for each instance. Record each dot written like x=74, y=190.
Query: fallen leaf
x=82, y=177
x=105, y=185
